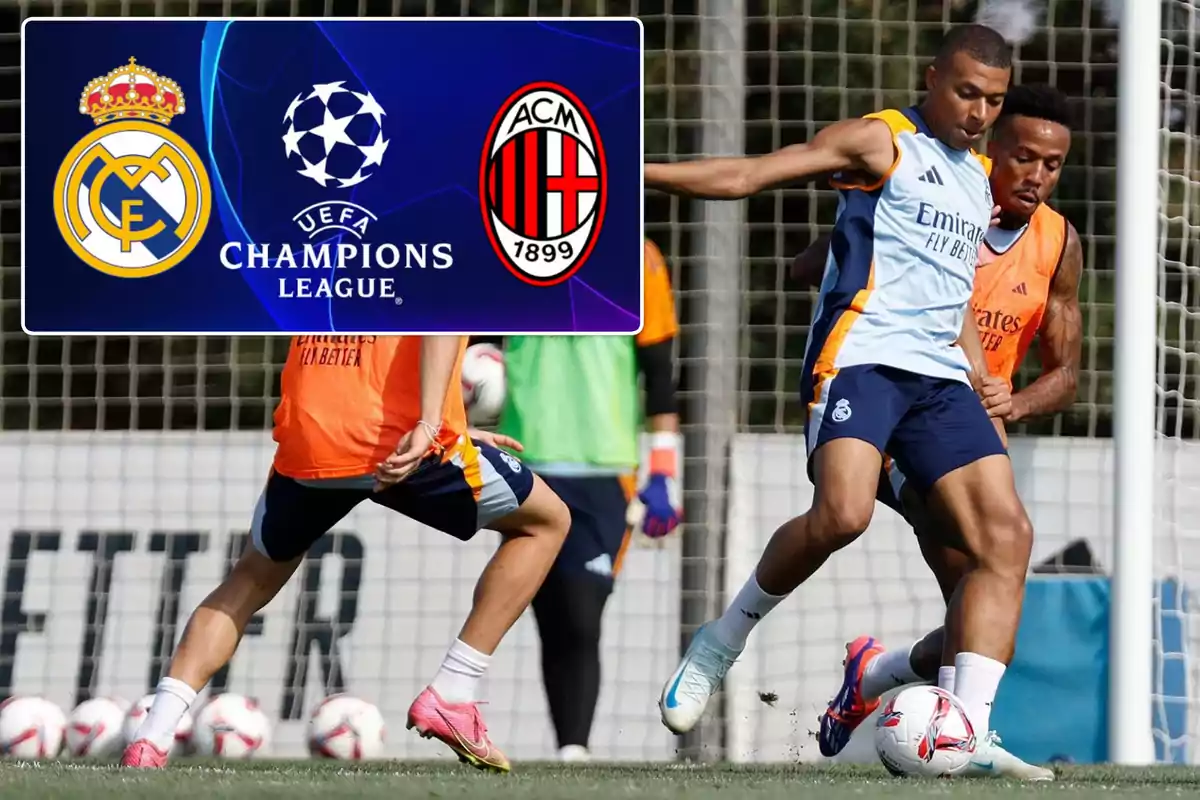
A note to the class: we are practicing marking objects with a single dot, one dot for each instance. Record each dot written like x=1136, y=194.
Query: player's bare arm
x=992, y=390
x=1060, y=339
x=438, y=356
x=972, y=347
x=808, y=268
x=854, y=145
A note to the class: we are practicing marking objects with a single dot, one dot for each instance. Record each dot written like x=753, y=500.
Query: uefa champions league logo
x=334, y=135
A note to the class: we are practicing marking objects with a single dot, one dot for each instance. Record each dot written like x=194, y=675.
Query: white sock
x=946, y=679
x=746, y=611
x=461, y=671
x=172, y=699
x=888, y=670
x=976, y=679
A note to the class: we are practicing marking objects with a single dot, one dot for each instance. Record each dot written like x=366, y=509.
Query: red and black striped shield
x=543, y=184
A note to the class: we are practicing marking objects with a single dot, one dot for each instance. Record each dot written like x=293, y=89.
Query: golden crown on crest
x=131, y=92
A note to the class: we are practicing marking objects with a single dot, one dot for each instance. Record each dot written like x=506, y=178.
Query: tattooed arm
x=1060, y=340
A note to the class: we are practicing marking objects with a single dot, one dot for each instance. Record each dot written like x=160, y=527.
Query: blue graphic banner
x=285, y=176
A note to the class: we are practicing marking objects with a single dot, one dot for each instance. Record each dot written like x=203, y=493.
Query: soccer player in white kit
x=883, y=369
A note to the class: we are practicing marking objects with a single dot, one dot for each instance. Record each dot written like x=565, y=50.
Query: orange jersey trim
x=841, y=330
x=659, y=322
x=629, y=486
x=824, y=370
x=897, y=123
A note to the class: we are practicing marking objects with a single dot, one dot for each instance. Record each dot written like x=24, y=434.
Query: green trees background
x=808, y=63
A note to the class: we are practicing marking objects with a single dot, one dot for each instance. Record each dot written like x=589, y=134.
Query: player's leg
x=470, y=487
x=288, y=518
x=947, y=559
x=933, y=655
x=850, y=420
x=948, y=447
x=868, y=669
x=928, y=660
x=922, y=661
x=972, y=664
x=569, y=608
x=570, y=605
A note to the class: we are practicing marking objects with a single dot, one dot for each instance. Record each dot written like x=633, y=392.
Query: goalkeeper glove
x=661, y=516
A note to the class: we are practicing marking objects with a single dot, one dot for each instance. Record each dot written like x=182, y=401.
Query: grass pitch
x=299, y=780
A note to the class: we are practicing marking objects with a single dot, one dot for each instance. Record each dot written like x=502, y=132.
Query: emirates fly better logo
x=543, y=184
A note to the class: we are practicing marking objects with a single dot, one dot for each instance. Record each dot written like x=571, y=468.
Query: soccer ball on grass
x=231, y=726
x=346, y=728
x=94, y=729
x=924, y=731
x=31, y=728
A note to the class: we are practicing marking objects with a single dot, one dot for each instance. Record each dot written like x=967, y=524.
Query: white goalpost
x=1130, y=733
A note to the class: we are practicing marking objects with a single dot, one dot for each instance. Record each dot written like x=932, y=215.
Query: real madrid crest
x=132, y=198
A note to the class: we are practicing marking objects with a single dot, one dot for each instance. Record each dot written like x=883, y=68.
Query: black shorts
x=599, y=533
x=458, y=492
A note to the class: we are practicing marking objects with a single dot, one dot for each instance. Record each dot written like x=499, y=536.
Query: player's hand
x=660, y=517
x=496, y=439
x=996, y=396
x=413, y=447
x=995, y=217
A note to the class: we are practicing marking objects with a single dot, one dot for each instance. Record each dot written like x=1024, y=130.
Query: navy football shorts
x=929, y=426
x=599, y=534
x=457, y=492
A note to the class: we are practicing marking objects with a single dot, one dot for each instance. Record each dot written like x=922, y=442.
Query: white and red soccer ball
x=137, y=714
x=924, y=731
x=346, y=728
x=94, y=729
x=31, y=728
x=483, y=383
x=231, y=726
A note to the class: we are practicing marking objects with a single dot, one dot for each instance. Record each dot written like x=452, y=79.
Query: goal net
x=129, y=469
x=130, y=466
x=854, y=57
x=1177, y=541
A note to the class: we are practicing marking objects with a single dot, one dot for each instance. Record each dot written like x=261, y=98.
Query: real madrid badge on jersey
x=368, y=177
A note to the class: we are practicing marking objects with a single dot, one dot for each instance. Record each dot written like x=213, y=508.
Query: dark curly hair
x=1038, y=101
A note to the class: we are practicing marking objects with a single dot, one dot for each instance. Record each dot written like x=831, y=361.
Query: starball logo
x=335, y=137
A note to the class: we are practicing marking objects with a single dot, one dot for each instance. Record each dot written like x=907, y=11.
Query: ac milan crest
x=543, y=184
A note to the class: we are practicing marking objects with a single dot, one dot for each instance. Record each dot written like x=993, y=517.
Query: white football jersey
x=901, y=264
